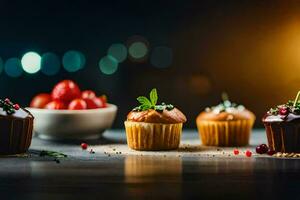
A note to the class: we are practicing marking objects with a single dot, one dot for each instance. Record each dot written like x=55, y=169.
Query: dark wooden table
x=115, y=172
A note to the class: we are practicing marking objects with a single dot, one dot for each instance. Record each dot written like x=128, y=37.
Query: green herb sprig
x=53, y=154
x=225, y=104
x=151, y=103
x=290, y=106
x=8, y=106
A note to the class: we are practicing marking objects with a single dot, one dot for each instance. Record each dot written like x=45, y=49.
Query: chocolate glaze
x=21, y=113
x=280, y=118
x=15, y=131
x=283, y=132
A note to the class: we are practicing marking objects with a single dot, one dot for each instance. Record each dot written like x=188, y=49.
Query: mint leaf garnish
x=153, y=96
x=150, y=103
x=144, y=101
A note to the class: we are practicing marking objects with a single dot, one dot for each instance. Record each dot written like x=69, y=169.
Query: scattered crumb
x=92, y=151
x=287, y=155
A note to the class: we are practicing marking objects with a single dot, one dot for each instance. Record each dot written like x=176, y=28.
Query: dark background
x=248, y=48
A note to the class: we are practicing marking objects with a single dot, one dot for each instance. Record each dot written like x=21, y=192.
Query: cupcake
x=16, y=128
x=282, y=125
x=226, y=124
x=154, y=127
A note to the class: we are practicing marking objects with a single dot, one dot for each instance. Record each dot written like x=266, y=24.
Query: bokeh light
x=108, y=65
x=31, y=62
x=50, y=64
x=118, y=51
x=73, y=61
x=161, y=57
x=1, y=65
x=13, y=67
x=138, y=50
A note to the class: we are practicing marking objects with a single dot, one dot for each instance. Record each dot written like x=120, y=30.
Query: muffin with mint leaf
x=152, y=126
x=282, y=124
x=227, y=124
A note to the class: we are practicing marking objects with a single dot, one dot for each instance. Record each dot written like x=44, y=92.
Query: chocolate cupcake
x=282, y=125
x=154, y=127
x=16, y=126
x=227, y=124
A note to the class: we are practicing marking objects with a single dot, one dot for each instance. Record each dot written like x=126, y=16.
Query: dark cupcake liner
x=15, y=135
x=283, y=136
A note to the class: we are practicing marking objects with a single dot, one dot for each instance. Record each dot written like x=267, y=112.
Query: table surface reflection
x=116, y=172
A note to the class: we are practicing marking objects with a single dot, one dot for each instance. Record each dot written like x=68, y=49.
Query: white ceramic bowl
x=72, y=124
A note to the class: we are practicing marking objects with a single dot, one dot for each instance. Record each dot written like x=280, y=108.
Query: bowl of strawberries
x=68, y=113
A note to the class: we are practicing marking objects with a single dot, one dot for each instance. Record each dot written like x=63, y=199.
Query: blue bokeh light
x=13, y=67
x=118, y=51
x=138, y=50
x=50, y=64
x=31, y=62
x=108, y=65
x=73, y=61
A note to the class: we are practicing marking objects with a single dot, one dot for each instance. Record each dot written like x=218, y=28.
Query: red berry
x=104, y=100
x=84, y=146
x=236, y=152
x=55, y=105
x=283, y=111
x=16, y=106
x=66, y=91
x=88, y=94
x=261, y=149
x=258, y=150
x=271, y=152
x=94, y=103
x=248, y=153
x=77, y=104
x=7, y=100
x=40, y=100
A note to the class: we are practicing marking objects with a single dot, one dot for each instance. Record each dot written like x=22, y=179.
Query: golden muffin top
x=225, y=111
x=153, y=116
x=151, y=112
x=231, y=115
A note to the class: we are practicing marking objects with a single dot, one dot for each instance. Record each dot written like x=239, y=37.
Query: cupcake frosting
x=153, y=116
x=8, y=109
x=226, y=111
x=283, y=113
x=226, y=116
